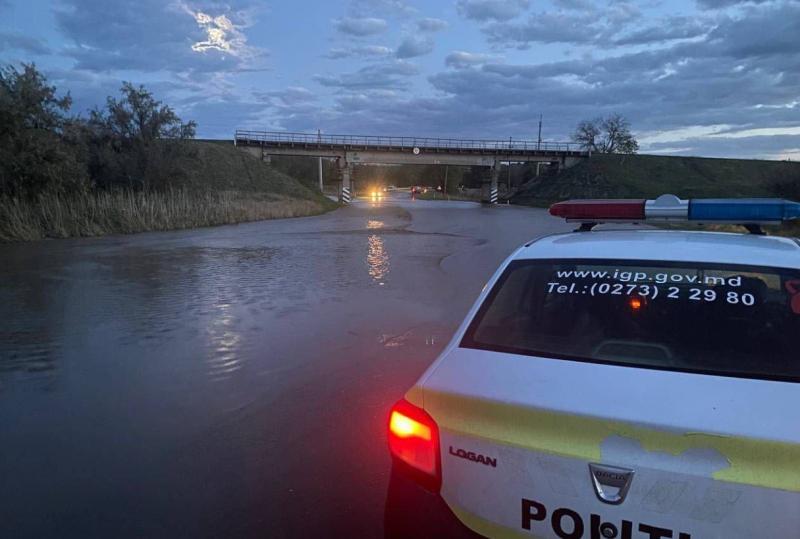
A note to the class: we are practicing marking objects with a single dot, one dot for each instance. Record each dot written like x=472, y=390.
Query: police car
x=630, y=383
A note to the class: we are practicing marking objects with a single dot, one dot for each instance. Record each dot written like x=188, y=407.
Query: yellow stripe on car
x=753, y=462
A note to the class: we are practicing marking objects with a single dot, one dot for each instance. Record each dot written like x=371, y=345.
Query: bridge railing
x=379, y=141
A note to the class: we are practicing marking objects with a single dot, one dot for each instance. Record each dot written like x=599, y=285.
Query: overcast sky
x=694, y=77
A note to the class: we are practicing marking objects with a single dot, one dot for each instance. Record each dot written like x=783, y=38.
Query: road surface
x=229, y=381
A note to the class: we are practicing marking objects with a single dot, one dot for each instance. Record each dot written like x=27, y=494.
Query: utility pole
x=539, y=141
x=319, y=161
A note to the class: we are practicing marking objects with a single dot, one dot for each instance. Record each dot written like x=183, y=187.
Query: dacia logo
x=610, y=483
x=474, y=457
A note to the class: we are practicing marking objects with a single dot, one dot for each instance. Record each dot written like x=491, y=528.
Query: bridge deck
x=510, y=147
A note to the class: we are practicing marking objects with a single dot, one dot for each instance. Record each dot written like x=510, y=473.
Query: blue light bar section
x=743, y=210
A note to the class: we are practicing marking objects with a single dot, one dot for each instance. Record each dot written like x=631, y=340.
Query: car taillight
x=414, y=443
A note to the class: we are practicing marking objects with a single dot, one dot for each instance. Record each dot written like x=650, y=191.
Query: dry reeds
x=95, y=214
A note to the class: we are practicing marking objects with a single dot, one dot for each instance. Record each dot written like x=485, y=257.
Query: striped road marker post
x=493, y=195
x=345, y=195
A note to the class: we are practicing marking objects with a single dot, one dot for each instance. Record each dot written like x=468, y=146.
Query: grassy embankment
x=222, y=185
x=648, y=176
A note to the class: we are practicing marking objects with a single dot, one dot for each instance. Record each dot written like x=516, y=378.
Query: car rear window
x=716, y=319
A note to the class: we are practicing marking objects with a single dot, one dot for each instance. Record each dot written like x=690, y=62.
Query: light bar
x=743, y=211
x=580, y=210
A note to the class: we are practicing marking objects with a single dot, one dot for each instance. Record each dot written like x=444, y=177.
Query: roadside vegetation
x=130, y=166
x=126, y=211
x=648, y=176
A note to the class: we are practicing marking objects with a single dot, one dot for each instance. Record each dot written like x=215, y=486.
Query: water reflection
x=373, y=224
x=377, y=258
x=224, y=360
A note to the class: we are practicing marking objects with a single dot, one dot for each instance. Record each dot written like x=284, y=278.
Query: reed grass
x=124, y=212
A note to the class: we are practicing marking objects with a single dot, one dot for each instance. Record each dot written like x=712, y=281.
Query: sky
x=718, y=78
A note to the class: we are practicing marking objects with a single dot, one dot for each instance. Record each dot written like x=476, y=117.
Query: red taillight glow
x=414, y=440
x=602, y=210
x=405, y=427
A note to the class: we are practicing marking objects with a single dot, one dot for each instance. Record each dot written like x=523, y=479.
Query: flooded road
x=230, y=381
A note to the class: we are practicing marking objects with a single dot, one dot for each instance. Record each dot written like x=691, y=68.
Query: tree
x=37, y=151
x=137, y=141
x=138, y=117
x=587, y=133
x=609, y=135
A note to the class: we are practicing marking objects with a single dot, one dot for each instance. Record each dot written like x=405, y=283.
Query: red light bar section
x=600, y=210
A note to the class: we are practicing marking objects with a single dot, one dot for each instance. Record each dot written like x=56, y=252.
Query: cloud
x=365, y=51
x=731, y=74
x=220, y=115
x=430, y=24
x=412, y=47
x=763, y=31
x=549, y=27
x=463, y=59
x=740, y=93
x=383, y=7
x=759, y=147
x=734, y=85
x=291, y=96
x=619, y=24
x=671, y=28
x=361, y=26
x=15, y=41
x=576, y=5
x=491, y=10
x=152, y=35
x=390, y=75
x=719, y=4
x=221, y=34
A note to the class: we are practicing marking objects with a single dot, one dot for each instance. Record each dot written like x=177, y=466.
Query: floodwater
x=229, y=381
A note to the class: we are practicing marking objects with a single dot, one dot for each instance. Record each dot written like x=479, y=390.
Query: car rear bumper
x=413, y=511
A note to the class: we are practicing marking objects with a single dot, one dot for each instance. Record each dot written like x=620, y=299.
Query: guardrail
x=378, y=141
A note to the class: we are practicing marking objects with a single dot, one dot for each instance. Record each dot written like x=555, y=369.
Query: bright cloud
x=221, y=34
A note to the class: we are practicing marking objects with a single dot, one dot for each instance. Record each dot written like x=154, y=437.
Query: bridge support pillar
x=493, y=192
x=347, y=192
x=319, y=164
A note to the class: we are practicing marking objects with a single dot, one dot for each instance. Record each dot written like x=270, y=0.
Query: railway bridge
x=351, y=150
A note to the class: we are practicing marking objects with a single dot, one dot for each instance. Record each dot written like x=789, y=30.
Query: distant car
x=616, y=383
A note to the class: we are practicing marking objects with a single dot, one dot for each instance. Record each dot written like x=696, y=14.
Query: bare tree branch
x=606, y=135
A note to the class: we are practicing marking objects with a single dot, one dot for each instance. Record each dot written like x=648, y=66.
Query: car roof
x=673, y=245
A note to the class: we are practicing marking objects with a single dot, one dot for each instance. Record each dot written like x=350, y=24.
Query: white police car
x=616, y=384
